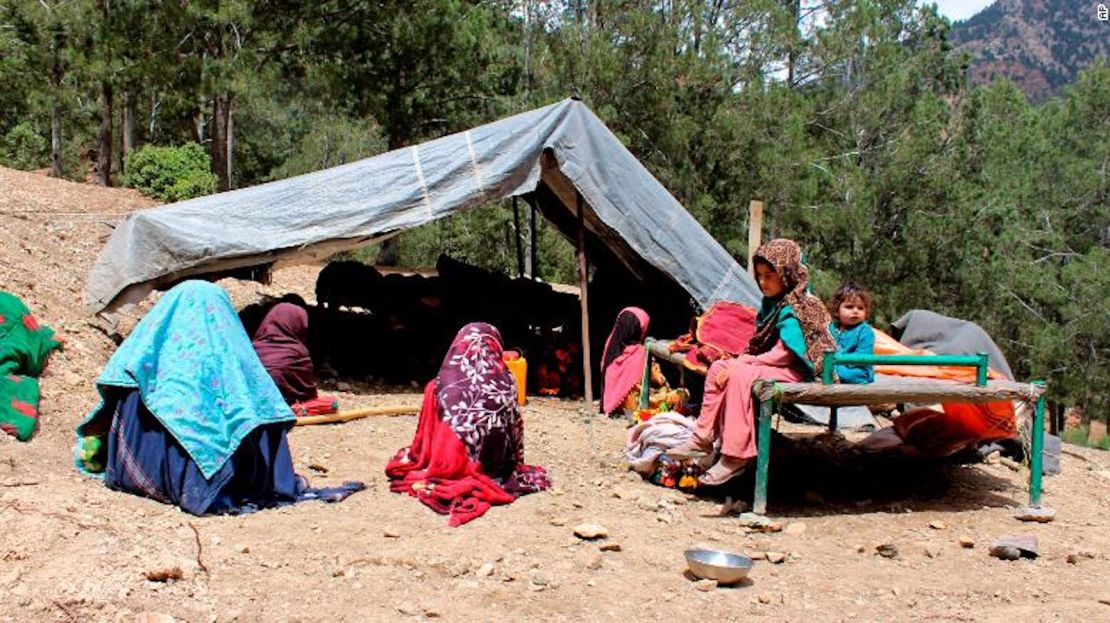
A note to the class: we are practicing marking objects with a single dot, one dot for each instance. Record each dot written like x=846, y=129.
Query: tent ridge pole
x=583, y=273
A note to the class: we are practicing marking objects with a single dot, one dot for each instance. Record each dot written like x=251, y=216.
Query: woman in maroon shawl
x=280, y=344
x=468, y=451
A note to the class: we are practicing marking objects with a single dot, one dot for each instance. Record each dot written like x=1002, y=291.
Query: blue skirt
x=144, y=459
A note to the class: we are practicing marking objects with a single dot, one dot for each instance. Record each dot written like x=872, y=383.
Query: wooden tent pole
x=755, y=231
x=534, y=269
x=355, y=414
x=583, y=273
x=519, y=246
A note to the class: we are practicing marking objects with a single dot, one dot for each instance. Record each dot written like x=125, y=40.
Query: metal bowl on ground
x=712, y=564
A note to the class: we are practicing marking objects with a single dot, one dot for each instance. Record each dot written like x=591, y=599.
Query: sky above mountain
x=959, y=9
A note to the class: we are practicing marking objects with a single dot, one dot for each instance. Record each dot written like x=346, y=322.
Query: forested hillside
x=851, y=119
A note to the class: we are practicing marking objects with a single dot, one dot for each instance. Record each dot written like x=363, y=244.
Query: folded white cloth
x=647, y=440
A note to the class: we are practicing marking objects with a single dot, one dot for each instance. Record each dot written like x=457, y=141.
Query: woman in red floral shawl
x=468, y=451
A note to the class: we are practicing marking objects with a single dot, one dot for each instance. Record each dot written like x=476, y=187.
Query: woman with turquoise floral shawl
x=189, y=416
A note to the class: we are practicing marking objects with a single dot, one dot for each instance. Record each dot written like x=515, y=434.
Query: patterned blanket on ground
x=722, y=331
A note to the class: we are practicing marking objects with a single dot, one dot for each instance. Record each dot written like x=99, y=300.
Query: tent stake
x=519, y=247
x=587, y=379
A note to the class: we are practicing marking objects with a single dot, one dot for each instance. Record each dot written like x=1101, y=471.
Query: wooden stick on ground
x=356, y=414
x=1074, y=454
x=200, y=563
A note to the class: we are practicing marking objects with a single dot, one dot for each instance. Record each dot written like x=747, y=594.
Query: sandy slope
x=71, y=550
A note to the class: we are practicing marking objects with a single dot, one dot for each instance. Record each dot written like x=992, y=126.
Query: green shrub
x=25, y=148
x=1076, y=436
x=171, y=173
x=1081, y=436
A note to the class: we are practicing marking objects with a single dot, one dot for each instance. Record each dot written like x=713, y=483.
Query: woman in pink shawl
x=622, y=361
x=622, y=366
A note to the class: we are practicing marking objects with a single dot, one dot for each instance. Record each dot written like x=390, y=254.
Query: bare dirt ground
x=71, y=550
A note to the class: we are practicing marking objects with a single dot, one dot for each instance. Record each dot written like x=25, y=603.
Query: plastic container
x=519, y=367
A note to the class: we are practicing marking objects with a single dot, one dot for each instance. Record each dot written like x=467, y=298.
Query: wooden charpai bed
x=885, y=390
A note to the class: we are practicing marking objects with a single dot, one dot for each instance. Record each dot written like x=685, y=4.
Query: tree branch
x=1026, y=305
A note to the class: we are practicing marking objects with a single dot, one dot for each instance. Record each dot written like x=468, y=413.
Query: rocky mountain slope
x=1039, y=44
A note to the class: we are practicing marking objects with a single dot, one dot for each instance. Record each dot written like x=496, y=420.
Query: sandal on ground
x=691, y=449
x=721, y=473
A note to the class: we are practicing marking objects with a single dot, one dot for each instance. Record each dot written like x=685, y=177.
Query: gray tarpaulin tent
x=563, y=150
x=921, y=328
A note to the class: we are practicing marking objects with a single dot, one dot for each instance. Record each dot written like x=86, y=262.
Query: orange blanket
x=958, y=426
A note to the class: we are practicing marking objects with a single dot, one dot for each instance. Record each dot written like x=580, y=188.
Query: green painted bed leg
x=766, y=408
x=981, y=370
x=1036, y=471
x=645, y=383
x=828, y=366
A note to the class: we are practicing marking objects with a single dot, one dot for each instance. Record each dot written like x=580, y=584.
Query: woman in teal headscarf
x=189, y=416
x=791, y=336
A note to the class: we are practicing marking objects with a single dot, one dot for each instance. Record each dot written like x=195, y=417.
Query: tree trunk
x=527, y=78
x=795, y=35
x=154, y=105
x=56, y=110
x=389, y=251
x=200, y=124
x=56, y=141
x=118, y=147
x=218, y=146
x=104, y=156
x=130, y=135
x=229, y=138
